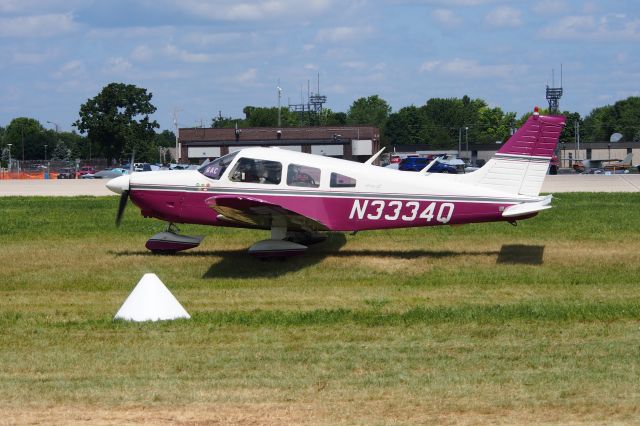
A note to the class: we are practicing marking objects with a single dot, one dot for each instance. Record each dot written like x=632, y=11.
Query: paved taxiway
x=552, y=184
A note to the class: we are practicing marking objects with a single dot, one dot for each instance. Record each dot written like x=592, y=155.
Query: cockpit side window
x=216, y=168
x=342, y=181
x=298, y=175
x=250, y=170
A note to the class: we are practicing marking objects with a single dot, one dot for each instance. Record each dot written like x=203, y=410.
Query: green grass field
x=485, y=323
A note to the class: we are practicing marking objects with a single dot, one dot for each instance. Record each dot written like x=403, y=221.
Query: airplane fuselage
x=405, y=199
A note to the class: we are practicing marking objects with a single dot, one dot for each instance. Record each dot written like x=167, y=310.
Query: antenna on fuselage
x=374, y=156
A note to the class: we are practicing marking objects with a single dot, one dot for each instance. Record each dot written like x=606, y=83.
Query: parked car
x=415, y=164
x=106, y=174
x=67, y=173
x=86, y=170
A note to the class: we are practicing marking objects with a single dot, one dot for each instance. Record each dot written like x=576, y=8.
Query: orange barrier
x=26, y=175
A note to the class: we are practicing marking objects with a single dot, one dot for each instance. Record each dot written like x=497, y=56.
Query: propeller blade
x=124, y=197
x=133, y=156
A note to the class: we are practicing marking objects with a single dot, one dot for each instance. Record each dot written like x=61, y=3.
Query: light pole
x=9, y=145
x=279, y=95
x=466, y=140
x=55, y=125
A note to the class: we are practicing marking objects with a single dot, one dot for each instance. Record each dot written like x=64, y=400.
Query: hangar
x=349, y=142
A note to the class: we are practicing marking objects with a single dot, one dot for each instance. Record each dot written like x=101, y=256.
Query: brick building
x=349, y=142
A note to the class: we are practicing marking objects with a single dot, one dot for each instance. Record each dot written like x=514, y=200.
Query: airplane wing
x=254, y=212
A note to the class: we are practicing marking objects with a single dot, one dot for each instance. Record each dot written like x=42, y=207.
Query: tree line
x=446, y=122
x=117, y=122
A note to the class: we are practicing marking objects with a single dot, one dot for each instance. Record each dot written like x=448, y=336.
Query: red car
x=86, y=170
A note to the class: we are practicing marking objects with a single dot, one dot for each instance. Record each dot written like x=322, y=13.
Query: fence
x=46, y=170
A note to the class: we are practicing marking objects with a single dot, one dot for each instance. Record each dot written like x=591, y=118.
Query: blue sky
x=200, y=57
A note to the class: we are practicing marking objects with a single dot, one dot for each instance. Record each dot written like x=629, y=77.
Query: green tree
x=27, y=137
x=267, y=117
x=165, y=139
x=626, y=116
x=404, y=126
x=220, y=122
x=599, y=124
x=118, y=121
x=495, y=125
x=372, y=111
x=331, y=118
x=61, y=152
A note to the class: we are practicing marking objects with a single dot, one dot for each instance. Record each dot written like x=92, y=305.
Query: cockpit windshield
x=216, y=168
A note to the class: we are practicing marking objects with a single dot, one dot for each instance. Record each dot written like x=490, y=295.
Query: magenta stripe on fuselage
x=337, y=213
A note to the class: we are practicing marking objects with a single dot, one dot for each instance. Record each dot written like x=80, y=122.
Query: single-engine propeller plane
x=299, y=196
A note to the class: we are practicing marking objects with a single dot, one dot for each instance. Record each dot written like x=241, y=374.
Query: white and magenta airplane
x=299, y=196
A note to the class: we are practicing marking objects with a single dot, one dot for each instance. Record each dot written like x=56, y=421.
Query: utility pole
x=577, y=127
x=279, y=95
x=175, y=125
x=466, y=140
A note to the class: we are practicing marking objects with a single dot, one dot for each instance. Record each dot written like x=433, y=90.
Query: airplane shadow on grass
x=520, y=254
x=239, y=264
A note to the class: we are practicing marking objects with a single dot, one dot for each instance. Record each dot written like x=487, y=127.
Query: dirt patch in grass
x=312, y=413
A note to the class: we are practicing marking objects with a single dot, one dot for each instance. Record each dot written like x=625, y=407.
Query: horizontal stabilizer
x=526, y=209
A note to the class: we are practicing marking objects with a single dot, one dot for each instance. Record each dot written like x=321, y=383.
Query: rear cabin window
x=306, y=176
x=342, y=181
x=217, y=167
x=252, y=170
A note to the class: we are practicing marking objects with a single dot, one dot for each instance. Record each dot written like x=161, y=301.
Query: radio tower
x=554, y=93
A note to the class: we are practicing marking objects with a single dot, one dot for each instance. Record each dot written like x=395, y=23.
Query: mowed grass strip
x=539, y=322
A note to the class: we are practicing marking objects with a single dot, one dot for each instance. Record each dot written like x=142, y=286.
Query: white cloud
x=550, y=7
x=504, y=16
x=70, y=69
x=471, y=68
x=185, y=56
x=611, y=27
x=37, y=25
x=38, y=6
x=247, y=77
x=450, y=3
x=429, y=66
x=142, y=53
x=446, y=17
x=32, y=58
x=118, y=65
x=137, y=32
x=343, y=34
x=253, y=10
x=215, y=39
x=354, y=65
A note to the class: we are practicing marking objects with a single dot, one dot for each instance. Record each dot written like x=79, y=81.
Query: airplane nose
x=119, y=184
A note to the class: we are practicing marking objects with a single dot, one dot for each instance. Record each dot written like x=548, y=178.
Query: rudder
x=519, y=167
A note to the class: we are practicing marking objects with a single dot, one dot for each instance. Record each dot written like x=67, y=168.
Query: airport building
x=350, y=142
